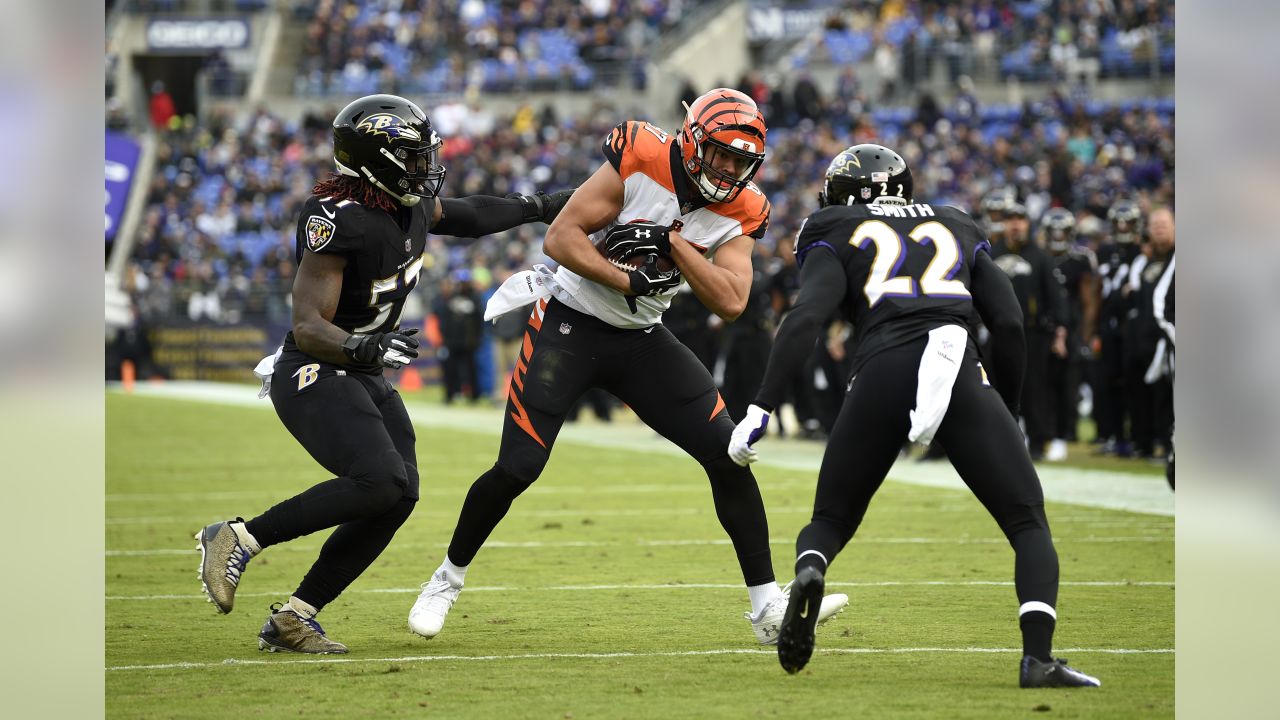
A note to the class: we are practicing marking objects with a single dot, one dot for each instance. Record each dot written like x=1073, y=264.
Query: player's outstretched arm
x=479, y=215
x=723, y=286
x=592, y=207
x=994, y=298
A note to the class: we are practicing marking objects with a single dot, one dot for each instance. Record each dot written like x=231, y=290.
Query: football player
x=600, y=325
x=907, y=274
x=1043, y=304
x=1116, y=261
x=360, y=243
x=1076, y=269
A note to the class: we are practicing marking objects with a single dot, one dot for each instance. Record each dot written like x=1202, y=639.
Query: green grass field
x=610, y=591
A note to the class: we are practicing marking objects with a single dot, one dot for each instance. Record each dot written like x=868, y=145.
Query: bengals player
x=601, y=326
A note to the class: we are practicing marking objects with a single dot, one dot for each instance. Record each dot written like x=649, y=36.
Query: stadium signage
x=771, y=21
x=122, y=158
x=198, y=34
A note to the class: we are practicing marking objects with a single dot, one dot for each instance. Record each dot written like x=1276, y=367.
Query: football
x=665, y=263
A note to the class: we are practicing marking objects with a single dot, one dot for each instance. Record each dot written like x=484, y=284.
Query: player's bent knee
x=511, y=482
x=722, y=467
x=383, y=478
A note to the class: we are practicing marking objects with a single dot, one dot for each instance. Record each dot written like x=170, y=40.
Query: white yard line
x=231, y=662
x=1092, y=488
x=683, y=586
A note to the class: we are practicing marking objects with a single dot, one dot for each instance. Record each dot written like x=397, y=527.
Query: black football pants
x=982, y=442
x=356, y=427
x=563, y=354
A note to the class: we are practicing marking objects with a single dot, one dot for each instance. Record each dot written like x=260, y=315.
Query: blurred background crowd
x=1050, y=120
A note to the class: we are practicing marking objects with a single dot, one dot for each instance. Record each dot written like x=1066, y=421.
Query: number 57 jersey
x=908, y=268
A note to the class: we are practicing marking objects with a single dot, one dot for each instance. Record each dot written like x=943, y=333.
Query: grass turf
x=559, y=643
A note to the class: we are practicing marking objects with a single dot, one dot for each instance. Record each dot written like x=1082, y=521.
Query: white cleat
x=1057, y=451
x=766, y=624
x=432, y=606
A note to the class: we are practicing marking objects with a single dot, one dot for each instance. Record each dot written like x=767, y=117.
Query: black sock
x=1037, y=634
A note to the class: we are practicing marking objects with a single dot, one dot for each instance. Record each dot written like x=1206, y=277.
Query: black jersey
x=383, y=260
x=1070, y=268
x=1115, y=260
x=908, y=268
x=896, y=272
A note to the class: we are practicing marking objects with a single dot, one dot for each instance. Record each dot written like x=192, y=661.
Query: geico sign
x=185, y=34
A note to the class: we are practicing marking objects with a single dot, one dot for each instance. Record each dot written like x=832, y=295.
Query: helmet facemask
x=722, y=171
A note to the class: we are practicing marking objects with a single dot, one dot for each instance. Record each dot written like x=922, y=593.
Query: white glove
x=746, y=434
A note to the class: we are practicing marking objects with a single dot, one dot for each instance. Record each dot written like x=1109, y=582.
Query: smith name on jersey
x=658, y=189
x=908, y=267
x=383, y=261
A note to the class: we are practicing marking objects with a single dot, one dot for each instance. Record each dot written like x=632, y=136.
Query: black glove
x=639, y=237
x=541, y=206
x=648, y=280
x=393, y=350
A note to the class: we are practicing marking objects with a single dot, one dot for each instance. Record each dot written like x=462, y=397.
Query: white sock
x=247, y=540
x=304, y=609
x=762, y=595
x=457, y=571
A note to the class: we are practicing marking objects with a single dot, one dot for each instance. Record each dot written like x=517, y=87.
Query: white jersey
x=648, y=160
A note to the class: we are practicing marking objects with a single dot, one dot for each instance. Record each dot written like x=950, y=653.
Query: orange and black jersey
x=383, y=260
x=896, y=272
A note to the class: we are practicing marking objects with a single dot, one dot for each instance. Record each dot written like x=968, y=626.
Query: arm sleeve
x=822, y=287
x=993, y=296
x=478, y=215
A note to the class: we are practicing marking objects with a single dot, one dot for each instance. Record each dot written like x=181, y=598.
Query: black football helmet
x=1058, y=228
x=1126, y=222
x=863, y=174
x=993, y=206
x=389, y=141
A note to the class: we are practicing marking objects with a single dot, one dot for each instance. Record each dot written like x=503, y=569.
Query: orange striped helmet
x=722, y=143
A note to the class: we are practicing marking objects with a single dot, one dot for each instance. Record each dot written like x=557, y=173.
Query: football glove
x=639, y=237
x=392, y=350
x=541, y=206
x=746, y=434
x=647, y=280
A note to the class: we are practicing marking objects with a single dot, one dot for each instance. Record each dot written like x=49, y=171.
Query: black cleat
x=795, y=636
x=1036, y=674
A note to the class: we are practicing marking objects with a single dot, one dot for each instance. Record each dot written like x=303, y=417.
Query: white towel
x=521, y=289
x=937, y=375
x=264, y=370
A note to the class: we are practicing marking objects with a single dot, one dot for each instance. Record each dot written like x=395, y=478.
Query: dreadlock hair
x=345, y=187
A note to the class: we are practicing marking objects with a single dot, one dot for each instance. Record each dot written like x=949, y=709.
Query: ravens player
x=1076, y=269
x=907, y=275
x=1116, y=261
x=360, y=243
x=598, y=325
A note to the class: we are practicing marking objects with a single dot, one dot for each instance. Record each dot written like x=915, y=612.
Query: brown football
x=665, y=263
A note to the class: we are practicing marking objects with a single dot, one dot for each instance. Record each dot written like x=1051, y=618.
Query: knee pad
x=383, y=477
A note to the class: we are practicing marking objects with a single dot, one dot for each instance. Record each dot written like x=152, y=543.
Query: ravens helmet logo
x=388, y=125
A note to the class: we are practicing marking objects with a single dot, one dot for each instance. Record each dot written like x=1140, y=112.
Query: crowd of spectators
x=356, y=47
x=1028, y=39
